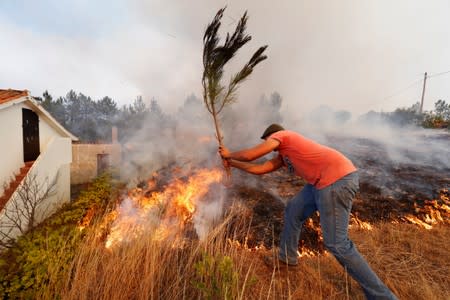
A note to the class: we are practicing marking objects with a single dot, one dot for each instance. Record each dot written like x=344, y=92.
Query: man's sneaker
x=272, y=262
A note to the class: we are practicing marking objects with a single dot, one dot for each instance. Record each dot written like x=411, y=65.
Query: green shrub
x=216, y=277
x=47, y=251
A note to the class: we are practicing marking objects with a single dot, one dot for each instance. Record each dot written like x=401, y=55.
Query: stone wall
x=86, y=159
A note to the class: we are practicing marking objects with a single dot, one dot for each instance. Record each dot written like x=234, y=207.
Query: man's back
x=317, y=164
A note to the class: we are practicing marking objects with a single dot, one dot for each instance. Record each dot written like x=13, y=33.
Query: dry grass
x=412, y=261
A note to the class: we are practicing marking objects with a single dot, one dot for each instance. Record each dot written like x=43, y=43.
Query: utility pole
x=423, y=92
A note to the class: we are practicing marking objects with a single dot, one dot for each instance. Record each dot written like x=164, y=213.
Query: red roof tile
x=8, y=95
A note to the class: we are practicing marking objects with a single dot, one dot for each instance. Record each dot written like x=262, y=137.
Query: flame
x=432, y=212
x=355, y=221
x=244, y=245
x=417, y=221
x=306, y=252
x=86, y=221
x=164, y=213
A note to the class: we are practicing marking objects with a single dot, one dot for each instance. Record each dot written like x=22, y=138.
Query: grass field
x=412, y=261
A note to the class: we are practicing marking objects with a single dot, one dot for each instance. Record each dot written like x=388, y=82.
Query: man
x=332, y=182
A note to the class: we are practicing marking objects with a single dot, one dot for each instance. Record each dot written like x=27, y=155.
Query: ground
x=390, y=191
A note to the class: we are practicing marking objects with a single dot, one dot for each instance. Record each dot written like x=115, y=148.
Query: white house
x=35, y=151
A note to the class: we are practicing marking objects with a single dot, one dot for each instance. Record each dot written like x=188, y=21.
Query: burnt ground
x=389, y=192
x=264, y=200
x=416, y=186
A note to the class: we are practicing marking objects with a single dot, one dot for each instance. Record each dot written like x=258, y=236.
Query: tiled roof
x=8, y=95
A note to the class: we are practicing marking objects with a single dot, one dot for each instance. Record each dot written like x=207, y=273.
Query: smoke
x=209, y=212
x=131, y=221
x=188, y=139
x=348, y=54
x=185, y=139
x=398, y=160
x=326, y=63
x=402, y=144
x=352, y=53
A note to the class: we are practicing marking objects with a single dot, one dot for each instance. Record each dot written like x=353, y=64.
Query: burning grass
x=414, y=262
x=178, y=235
x=227, y=262
x=163, y=213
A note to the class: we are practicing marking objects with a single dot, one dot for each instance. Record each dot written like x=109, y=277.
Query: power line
x=402, y=90
x=398, y=92
x=439, y=74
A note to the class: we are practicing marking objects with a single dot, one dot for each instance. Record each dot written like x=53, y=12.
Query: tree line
x=91, y=120
x=439, y=117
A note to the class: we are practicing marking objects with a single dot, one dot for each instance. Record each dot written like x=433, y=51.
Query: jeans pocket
x=343, y=195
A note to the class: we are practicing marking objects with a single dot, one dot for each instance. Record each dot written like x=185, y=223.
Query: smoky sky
x=352, y=55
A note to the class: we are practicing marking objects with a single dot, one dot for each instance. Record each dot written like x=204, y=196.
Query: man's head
x=271, y=129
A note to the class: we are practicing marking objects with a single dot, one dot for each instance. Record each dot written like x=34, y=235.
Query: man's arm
x=252, y=153
x=257, y=169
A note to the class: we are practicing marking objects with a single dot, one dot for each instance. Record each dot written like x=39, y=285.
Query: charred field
x=390, y=192
x=399, y=221
x=181, y=233
x=411, y=190
x=407, y=192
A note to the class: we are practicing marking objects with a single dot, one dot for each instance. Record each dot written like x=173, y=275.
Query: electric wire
x=396, y=93
x=438, y=74
x=400, y=91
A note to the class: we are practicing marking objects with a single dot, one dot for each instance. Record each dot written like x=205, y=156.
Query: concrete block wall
x=85, y=160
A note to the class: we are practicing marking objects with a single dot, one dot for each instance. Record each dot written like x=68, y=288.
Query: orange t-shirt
x=317, y=164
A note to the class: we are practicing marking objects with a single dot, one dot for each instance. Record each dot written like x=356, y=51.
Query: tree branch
x=215, y=57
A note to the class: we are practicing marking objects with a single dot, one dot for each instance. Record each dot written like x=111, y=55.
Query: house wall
x=84, y=160
x=53, y=165
x=46, y=133
x=11, y=155
x=11, y=150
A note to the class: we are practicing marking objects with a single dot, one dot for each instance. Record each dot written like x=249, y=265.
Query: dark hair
x=271, y=129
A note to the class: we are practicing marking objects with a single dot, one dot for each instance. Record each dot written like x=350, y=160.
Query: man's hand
x=226, y=163
x=224, y=152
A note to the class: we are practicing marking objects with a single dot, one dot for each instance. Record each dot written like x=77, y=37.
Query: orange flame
x=356, y=221
x=86, y=221
x=165, y=213
x=432, y=212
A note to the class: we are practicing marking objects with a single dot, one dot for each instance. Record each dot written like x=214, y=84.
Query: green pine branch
x=215, y=95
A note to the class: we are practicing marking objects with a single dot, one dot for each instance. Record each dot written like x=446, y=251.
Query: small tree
x=215, y=57
x=442, y=109
x=439, y=118
x=19, y=215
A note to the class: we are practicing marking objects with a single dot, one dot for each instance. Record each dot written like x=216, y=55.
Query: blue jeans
x=334, y=204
